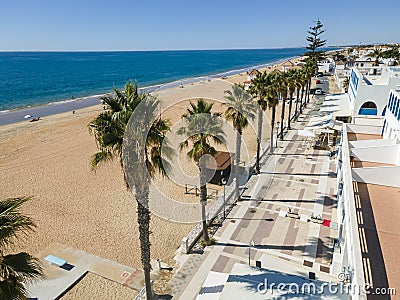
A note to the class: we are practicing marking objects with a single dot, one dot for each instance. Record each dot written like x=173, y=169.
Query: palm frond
x=12, y=221
x=201, y=127
x=21, y=267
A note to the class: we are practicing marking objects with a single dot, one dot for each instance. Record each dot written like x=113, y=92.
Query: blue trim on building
x=368, y=111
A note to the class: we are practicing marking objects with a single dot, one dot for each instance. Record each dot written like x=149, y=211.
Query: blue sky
x=173, y=24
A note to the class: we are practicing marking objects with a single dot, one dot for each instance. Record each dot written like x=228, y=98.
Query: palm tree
x=291, y=85
x=240, y=108
x=377, y=54
x=303, y=80
x=298, y=85
x=306, y=75
x=201, y=129
x=20, y=268
x=259, y=90
x=311, y=68
x=281, y=85
x=273, y=100
x=109, y=129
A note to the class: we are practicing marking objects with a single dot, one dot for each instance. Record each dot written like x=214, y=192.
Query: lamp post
x=224, y=181
x=251, y=244
x=277, y=133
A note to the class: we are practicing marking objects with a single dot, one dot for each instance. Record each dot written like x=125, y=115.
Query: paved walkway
x=302, y=183
x=58, y=280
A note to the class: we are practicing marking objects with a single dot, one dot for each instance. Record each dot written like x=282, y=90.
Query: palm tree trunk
x=203, y=200
x=142, y=196
x=290, y=109
x=282, y=116
x=297, y=103
x=309, y=89
x=301, y=99
x=237, y=161
x=271, y=146
x=259, y=135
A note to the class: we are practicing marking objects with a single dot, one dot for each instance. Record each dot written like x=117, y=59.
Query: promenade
x=273, y=221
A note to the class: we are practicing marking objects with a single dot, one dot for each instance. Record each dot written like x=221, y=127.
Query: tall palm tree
x=109, y=129
x=304, y=90
x=202, y=128
x=281, y=85
x=311, y=68
x=20, y=268
x=291, y=85
x=298, y=85
x=273, y=81
x=240, y=108
x=259, y=89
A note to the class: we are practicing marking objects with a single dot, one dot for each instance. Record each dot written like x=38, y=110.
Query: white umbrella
x=306, y=133
x=27, y=117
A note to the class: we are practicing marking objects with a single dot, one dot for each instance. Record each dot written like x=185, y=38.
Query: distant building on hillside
x=326, y=65
x=361, y=62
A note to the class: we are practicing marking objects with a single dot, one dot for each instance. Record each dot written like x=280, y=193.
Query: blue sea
x=35, y=78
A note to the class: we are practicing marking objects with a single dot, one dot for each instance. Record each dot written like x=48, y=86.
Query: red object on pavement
x=326, y=223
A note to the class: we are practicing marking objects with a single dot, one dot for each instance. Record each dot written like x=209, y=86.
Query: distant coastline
x=55, y=106
x=35, y=78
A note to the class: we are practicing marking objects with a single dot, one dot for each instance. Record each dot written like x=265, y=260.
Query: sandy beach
x=93, y=211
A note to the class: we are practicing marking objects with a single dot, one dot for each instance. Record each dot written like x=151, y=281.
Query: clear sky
x=205, y=24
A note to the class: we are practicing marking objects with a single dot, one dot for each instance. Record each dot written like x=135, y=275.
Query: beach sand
x=93, y=211
x=93, y=286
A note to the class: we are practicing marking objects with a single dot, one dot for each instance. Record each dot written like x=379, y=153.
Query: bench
x=54, y=260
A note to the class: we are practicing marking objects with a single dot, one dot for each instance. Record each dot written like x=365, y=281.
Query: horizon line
x=149, y=50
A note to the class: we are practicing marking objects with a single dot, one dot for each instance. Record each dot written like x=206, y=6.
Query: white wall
x=377, y=93
x=368, y=120
x=364, y=129
x=387, y=176
x=381, y=154
x=350, y=249
x=374, y=93
x=372, y=143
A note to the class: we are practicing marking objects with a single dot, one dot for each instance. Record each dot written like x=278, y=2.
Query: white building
x=369, y=198
x=368, y=94
x=391, y=127
x=252, y=74
x=327, y=65
x=369, y=207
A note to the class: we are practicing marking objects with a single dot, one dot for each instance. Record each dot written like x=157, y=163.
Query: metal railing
x=189, y=188
x=221, y=203
x=142, y=292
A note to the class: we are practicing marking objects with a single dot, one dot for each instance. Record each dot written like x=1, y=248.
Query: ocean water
x=35, y=78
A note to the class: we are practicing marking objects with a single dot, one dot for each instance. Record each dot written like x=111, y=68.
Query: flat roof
x=221, y=161
x=378, y=211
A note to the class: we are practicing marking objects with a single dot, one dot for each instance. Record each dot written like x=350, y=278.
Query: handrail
x=142, y=292
x=195, y=234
